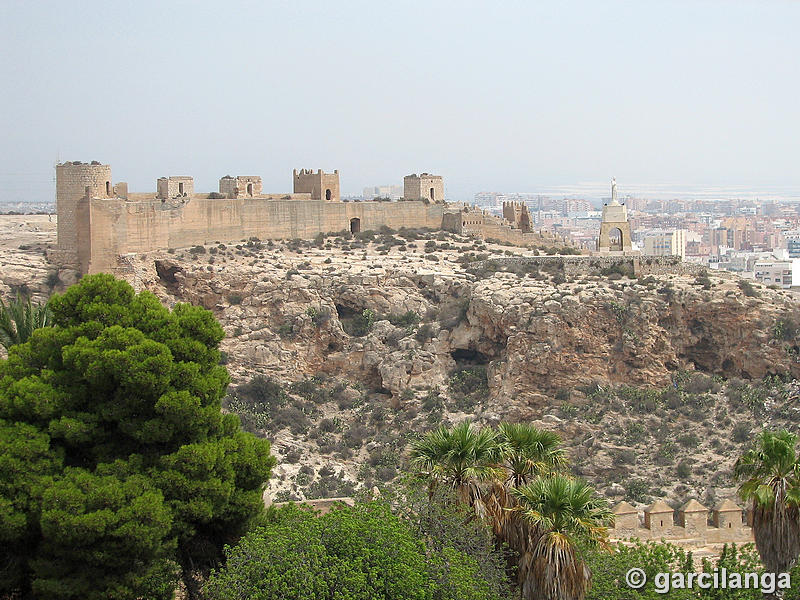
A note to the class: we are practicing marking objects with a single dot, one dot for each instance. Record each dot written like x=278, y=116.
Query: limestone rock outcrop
x=533, y=336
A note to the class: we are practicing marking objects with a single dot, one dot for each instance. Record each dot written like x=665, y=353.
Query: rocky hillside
x=343, y=349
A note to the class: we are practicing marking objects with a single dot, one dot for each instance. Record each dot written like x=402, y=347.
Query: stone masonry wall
x=72, y=181
x=119, y=227
x=575, y=266
x=690, y=528
x=171, y=187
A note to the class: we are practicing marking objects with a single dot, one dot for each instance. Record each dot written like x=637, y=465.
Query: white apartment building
x=782, y=273
x=660, y=242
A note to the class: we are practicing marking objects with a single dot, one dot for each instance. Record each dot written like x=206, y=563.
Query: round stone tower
x=75, y=181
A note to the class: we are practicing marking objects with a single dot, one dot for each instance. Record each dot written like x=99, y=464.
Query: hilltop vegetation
x=118, y=471
x=375, y=338
x=114, y=416
x=370, y=340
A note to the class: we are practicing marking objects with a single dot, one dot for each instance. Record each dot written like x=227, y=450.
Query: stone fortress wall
x=577, y=266
x=691, y=527
x=515, y=227
x=99, y=221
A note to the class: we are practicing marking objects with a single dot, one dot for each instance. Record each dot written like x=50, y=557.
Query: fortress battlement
x=99, y=221
x=297, y=173
x=688, y=526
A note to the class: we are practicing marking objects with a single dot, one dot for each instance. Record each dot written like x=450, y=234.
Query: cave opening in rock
x=464, y=356
x=345, y=312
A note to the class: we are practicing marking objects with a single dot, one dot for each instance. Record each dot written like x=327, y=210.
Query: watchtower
x=74, y=182
x=321, y=185
x=727, y=515
x=516, y=213
x=423, y=187
x=243, y=186
x=174, y=187
x=626, y=519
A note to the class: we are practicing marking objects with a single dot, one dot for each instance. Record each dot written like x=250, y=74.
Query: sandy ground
x=16, y=230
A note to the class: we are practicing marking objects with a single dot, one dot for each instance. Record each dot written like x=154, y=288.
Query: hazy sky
x=493, y=96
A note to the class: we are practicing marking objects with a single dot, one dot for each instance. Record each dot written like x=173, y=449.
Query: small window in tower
x=180, y=189
x=108, y=188
x=249, y=189
x=432, y=198
x=328, y=194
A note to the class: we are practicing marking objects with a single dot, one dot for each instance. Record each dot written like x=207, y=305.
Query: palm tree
x=527, y=451
x=770, y=476
x=560, y=511
x=511, y=479
x=19, y=318
x=463, y=458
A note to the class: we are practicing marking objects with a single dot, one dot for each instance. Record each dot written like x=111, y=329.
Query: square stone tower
x=516, y=213
x=243, y=186
x=693, y=517
x=321, y=185
x=728, y=515
x=173, y=187
x=423, y=187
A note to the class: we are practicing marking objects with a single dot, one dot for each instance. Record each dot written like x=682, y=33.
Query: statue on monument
x=613, y=189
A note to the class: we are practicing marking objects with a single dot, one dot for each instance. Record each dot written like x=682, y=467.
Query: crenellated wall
x=690, y=528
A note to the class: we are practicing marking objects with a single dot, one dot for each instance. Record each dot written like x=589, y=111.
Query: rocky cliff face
x=534, y=336
x=604, y=359
x=654, y=382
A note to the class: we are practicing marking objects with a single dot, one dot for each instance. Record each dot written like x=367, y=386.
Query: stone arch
x=355, y=224
x=615, y=239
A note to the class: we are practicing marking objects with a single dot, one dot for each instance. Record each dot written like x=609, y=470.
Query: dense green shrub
x=468, y=387
x=785, y=329
x=748, y=289
x=360, y=553
x=609, y=569
x=408, y=319
x=361, y=324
